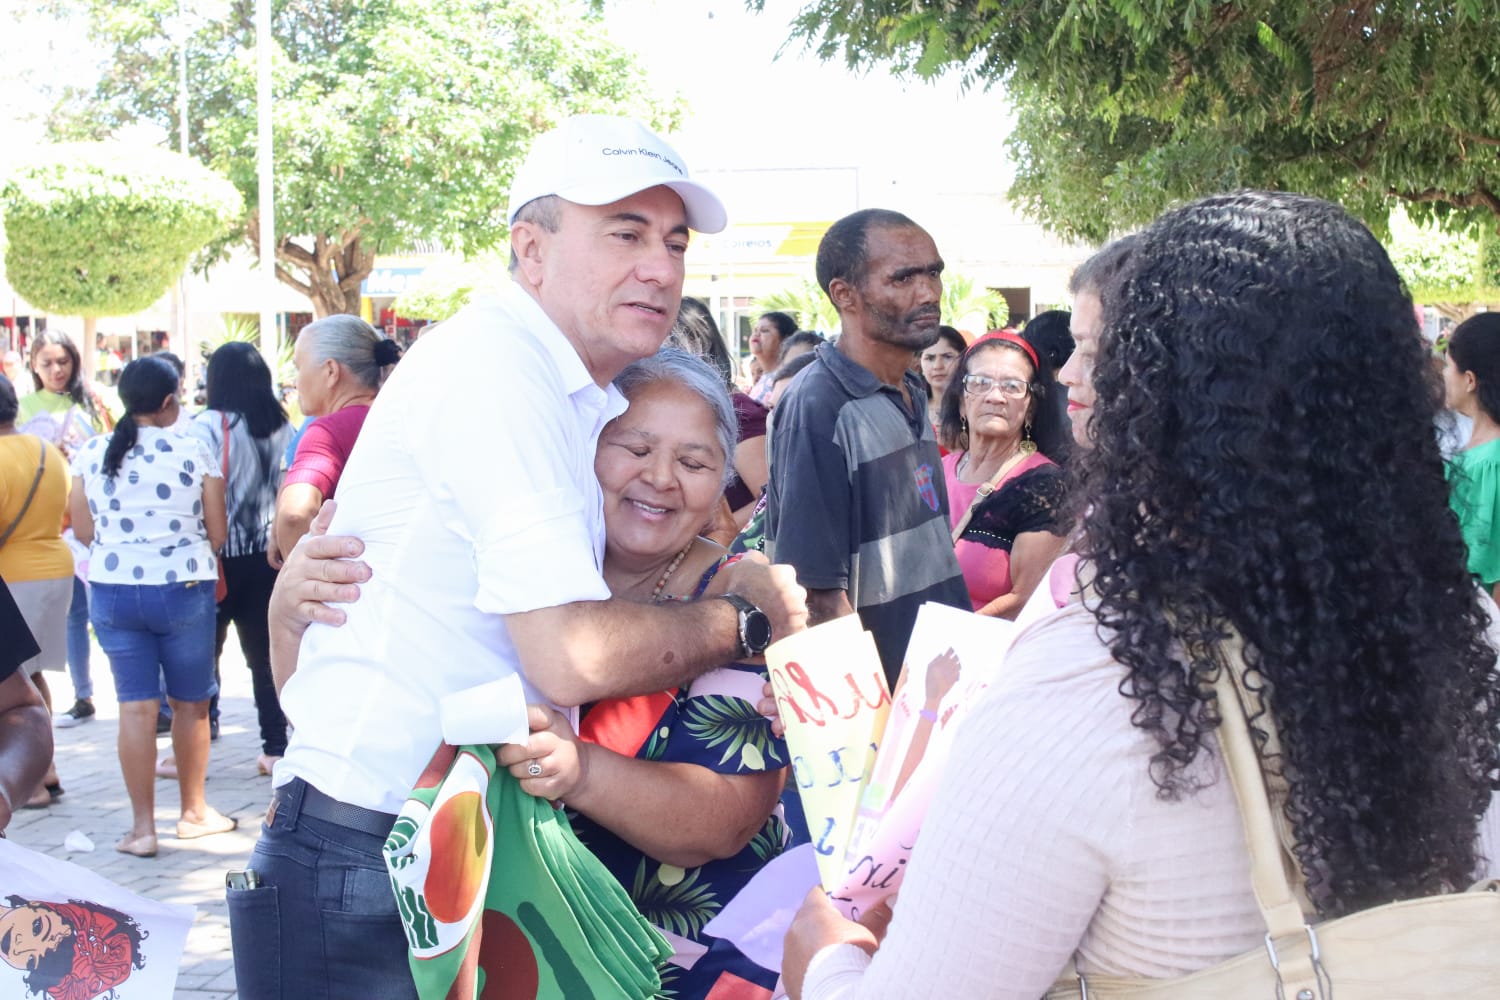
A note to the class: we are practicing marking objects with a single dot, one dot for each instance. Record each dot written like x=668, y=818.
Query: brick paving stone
x=190, y=871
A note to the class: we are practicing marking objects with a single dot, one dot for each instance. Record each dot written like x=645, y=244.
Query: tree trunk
x=329, y=274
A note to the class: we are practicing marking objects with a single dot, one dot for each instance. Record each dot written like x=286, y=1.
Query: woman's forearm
x=680, y=814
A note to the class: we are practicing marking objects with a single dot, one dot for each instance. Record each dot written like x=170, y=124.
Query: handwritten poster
x=832, y=696
x=69, y=934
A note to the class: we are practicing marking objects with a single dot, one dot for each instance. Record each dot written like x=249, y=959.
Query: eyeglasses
x=1010, y=388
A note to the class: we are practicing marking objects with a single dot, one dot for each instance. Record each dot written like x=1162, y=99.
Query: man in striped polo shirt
x=857, y=501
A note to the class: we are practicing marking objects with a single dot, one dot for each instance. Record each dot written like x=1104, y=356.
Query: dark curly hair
x=1264, y=461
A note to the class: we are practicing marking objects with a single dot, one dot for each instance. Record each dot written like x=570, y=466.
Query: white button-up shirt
x=472, y=486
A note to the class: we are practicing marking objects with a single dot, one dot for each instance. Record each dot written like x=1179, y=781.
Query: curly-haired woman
x=1263, y=462
x=1471, y=387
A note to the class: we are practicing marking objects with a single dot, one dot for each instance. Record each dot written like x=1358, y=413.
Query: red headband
x=1007, y=337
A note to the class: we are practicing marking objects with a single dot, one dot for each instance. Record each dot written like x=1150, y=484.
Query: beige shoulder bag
x=1417, y=949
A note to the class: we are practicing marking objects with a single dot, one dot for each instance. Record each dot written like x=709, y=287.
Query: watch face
x=757, y=630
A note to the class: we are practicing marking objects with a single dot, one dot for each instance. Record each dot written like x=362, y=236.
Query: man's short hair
x=842, y=252
x=545, y=212
x=1100, y=270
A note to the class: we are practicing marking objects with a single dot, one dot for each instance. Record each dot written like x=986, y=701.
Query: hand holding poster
x=69, y=934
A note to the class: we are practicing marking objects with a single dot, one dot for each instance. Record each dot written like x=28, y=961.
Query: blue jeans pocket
x=255, y=936
x=366, y=955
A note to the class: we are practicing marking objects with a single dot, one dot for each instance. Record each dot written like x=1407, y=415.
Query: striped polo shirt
x=857, y=502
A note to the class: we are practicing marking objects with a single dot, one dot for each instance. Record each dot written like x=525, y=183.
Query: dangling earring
x=1028, y=446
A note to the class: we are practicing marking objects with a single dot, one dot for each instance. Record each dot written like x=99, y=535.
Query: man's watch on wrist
x=754, y=626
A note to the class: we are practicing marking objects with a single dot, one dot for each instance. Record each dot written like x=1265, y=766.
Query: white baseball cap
x=599, y=159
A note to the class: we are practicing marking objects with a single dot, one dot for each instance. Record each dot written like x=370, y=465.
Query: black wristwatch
x=755, y=627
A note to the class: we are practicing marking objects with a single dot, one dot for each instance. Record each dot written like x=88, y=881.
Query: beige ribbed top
x=1047, y=838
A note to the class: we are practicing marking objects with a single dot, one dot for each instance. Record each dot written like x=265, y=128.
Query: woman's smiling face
x=661, y=468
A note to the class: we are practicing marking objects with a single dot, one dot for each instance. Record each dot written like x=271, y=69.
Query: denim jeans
x=151, y=631
x=323, y=923
x=78, y=641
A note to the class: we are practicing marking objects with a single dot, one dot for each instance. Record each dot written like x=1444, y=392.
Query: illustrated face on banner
x=28, y=933
x=69, y=950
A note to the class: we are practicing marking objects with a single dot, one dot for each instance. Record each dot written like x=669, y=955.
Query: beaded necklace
x=671, y=568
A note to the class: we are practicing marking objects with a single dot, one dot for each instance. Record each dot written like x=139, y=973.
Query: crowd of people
x=1225, y=461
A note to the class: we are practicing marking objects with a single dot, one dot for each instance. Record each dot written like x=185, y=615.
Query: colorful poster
x=950, y=659
x=832, y=696
x=69, y=934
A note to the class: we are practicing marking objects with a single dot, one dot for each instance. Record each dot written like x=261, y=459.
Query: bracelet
x=928, y=714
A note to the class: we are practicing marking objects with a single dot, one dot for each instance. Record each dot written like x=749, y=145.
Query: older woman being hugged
x=1004, y=493
x=341, y=363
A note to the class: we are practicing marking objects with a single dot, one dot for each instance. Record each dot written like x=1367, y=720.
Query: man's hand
x=773, y=589
x=320, y=571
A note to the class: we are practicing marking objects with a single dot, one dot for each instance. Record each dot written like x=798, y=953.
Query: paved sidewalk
x=183, y=871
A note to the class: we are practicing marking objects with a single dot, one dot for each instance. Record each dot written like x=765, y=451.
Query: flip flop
x=55, y=790
x=137, y=846
x=166, y=767
x=216, y=822
x=40, y=799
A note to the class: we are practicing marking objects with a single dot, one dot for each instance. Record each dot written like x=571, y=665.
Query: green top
x=47, y=401
x=1474, y=494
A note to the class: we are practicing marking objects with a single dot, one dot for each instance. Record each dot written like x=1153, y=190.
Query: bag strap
x=36, y=481
x=1281, y=905
x=984, y=491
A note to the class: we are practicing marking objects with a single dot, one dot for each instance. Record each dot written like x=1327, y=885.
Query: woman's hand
x=819, y=924
x=552, y=763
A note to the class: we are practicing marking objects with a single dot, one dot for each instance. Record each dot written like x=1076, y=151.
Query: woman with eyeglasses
x=1004, y=493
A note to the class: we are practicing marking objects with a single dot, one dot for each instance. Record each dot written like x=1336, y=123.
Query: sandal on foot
x=55, y=790
x=167, y=768
x=40, y=799
x=139, y=847
x=216, y=822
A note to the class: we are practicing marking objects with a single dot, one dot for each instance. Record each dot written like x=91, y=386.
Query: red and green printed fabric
x=500, y=899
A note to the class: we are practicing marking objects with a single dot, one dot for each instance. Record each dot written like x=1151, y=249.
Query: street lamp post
x=270, y=335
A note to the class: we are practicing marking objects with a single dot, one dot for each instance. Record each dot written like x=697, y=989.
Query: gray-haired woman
x=341, y=362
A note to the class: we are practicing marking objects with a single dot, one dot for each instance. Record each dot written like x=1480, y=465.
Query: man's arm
x=588, y=650
x=826, y=605
x=25, y=741
x=572, y=653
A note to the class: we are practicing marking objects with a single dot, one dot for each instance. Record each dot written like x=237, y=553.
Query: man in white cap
x=472, y=488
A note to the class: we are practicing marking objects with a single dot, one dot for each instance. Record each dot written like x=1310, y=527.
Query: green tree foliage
x=1455, y=272
x=804, y=302
x=1125, y=106
x=395, y=121
x=444, y=289
x=101, y=229
x=967, y=302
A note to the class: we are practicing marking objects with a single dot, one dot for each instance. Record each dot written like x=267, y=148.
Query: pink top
x=324, y=448
x=986, y=569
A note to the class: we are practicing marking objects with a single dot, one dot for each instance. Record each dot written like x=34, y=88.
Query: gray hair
x=353, y=343
x=673, y=364
x=545, y=212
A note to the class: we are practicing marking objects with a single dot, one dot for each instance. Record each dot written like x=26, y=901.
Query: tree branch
x=1480, y=197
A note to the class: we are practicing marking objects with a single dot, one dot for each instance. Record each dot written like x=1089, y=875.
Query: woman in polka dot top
x=150, y=504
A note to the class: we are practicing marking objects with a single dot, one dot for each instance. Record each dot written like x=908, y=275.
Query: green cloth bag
x=500, y=899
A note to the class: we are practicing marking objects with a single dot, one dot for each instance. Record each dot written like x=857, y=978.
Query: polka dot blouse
x=148, y=518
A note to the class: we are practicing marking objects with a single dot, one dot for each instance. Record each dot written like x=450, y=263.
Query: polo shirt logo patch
x=925, y=487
